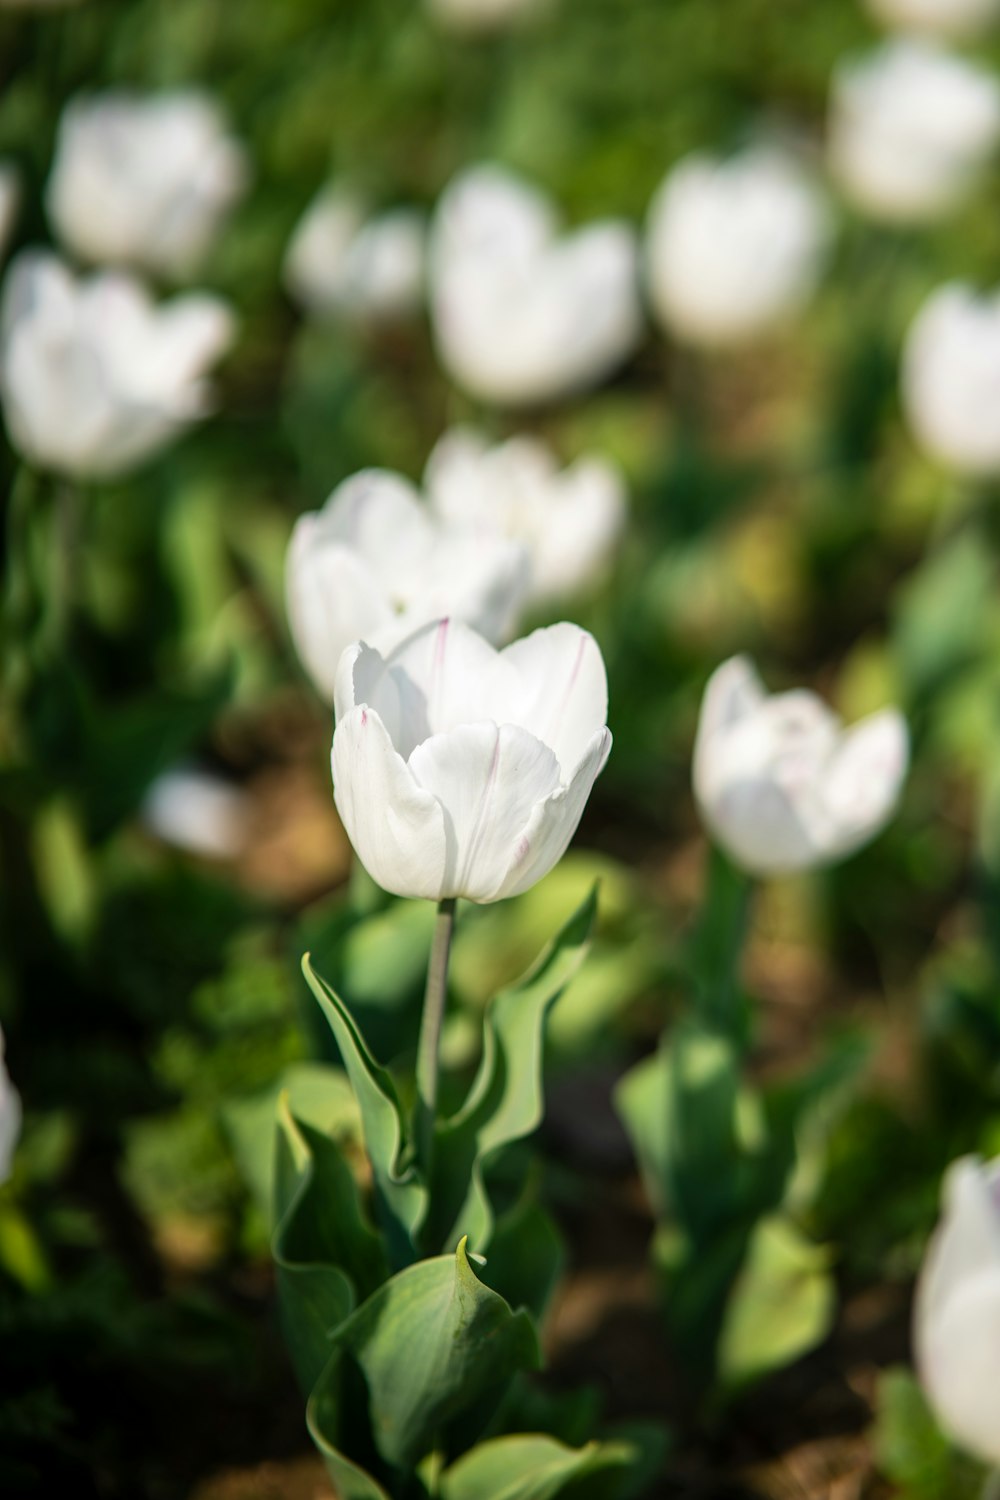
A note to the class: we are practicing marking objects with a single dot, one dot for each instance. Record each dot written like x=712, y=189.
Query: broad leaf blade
x=535, y=1467
x=401, y=1199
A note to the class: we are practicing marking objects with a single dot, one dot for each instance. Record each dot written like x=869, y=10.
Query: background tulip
x=462, y=771
x=781, y=785
x=521, y=315
x=10, y=1118
x=951, y=379
x=733, y=246
x=946, y=18
x=482, y=15
x=342, y=262
x=567, y=519
x=911, y=129
x=95, y=377
x=373, y=564
x=144, y=181
x=957, y=1311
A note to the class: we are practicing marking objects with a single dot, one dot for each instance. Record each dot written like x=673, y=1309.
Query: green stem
x=719, y=945
x=431, y=1021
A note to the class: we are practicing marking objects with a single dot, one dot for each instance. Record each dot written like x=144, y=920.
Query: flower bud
x=568, y=520
x=956, y=1324
x=462, y=771
x=781, y=784
x=951, y=379
x=374, y=565
x=734, y=246
x=144, y=182
x=95, y=377
x=342, y=263
x=522, y=315
x=911, y=130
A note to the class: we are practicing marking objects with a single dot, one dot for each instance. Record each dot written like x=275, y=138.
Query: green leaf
x=782, y=1305
x=535, y=1467
x=526, y=1257
x=505, y=1102
x=400, y=1197
x=428, y=1345
x=318, y=1094
x=327, y=1255
x=912, y=1451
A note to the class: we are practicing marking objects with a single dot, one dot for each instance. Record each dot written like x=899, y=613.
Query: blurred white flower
x=957, y=19
x=951, y=379
x=956, y=1324
x=734, y=245
x=911, y=129
x=144, y=180
x=482, y=15
x=344, y=263
x=10, y=1118
x=10, y=202
x=568, y=519
x=781, y=784
x=520, y=314
x=198, y=812
x=375, y=565
x=95, y=377
x=461, y=771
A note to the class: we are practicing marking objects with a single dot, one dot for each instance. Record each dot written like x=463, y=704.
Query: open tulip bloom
x=781, y=784
x=957, y=1310
x=462, y=771
x=96, y=377
x=343, y=263
x=951, y=379
x=375, y=564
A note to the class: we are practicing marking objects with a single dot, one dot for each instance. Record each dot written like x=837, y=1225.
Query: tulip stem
x=431, y=1022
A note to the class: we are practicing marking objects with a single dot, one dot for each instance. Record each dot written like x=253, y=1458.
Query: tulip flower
x=482, y=15
x=957, y=19
x=911, y=130
x=10, y=1118
x=734, y=246
x=198, y=812
x=781, y=784
x=956, y=1325
x=374, y=564
x=462, y=771
x=569, y=520
x=145, y=182
x=342, y=263
x=951, y=379
x=520, y=314
x=95, y=377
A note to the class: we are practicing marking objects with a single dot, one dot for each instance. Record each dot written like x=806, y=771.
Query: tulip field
x=500, y=750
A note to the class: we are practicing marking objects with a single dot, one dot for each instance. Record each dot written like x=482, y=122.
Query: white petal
x=544, y=839
x=332, y=600
x=563, y=693
x=397, y=829
x=488, y=780
x=959, y=1362
x=967, y=1240
x=448, y=675
x=733, y=691
x=865, y=776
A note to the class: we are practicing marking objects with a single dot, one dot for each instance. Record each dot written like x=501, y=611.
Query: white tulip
x=198, y=812
x=344, y=263
x=781, y=784
x=956, y=1321
x=957, y=19
x=144, y=181
x=374, y=564
x=734, y=246
x=462, y=771
x=520, y=314
x=569, y=520
x=10, y=202
x=951, y=379
x=482, y=15
x=911, y=130
x=10, y=1118
x=95, y=377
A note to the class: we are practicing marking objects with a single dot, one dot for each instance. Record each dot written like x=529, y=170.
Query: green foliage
x=911, y=1449
x=535, y=1467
